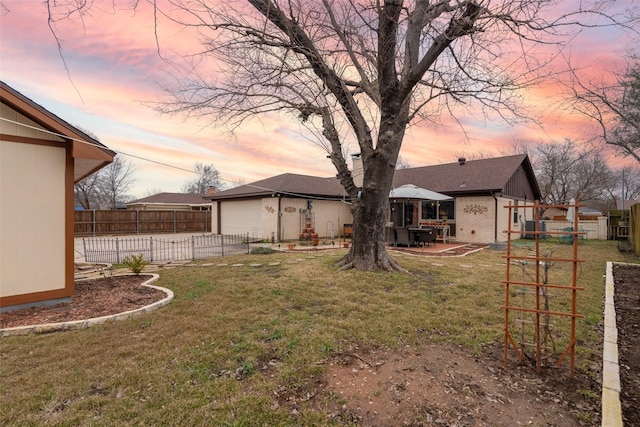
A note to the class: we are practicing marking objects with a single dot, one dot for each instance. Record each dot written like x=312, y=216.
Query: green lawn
x=237, y=339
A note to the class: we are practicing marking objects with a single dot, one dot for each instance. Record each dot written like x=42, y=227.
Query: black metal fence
x=114, y=249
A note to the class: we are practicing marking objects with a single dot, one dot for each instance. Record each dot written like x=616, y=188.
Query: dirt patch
x=92, y=298
x=445, y=386
x=627, y=302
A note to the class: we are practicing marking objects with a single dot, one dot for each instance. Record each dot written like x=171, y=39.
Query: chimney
x=211, y=190
x=358, y=172
x=461, y=161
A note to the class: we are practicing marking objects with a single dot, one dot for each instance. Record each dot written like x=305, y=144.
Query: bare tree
x=207, y=176
x=402, y=163
x=116, y=180
x=153, y=191
x=615, y=107
x=107, y=187
x=362, y=71
x=87, y=191
x=566, y=170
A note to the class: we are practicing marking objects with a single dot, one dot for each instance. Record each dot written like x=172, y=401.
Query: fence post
x=222, y=244
x=151, y=247
x=84, y=247
x=117, y=251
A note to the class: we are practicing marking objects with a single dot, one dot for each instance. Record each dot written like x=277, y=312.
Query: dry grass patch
x=249, y=345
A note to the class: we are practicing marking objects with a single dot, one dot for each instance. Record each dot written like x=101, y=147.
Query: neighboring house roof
x=88, y=157
x=287, y=184
x=172, y=198
x=484, y=176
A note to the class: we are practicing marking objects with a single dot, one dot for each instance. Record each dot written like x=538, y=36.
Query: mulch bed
x=627, y=302
x=91, y=298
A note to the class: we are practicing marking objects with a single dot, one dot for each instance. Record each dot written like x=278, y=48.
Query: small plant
x=107, y=273
x=135, y=263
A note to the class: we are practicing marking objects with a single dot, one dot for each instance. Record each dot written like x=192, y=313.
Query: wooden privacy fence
x=114, y=249
x=109, y=222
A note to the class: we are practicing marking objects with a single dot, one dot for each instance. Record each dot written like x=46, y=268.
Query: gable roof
x=172, y=198
x=473, y=176
x=484, y=176
x=287, y=184
x=88, y=157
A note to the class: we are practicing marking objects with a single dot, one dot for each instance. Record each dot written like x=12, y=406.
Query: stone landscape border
x=611, y=407
x=87, y=323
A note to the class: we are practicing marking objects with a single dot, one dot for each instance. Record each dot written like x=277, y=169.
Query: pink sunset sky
x=115, y=73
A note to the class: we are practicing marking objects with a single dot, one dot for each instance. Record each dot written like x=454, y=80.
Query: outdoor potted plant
x=291, y=246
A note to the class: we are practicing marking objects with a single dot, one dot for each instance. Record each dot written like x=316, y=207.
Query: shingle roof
x=286, y=184
x=172, y=198
x=482, y=175
x=474, y=176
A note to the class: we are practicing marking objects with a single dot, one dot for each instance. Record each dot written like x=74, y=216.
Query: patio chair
x=426, y=237
x=402, y=236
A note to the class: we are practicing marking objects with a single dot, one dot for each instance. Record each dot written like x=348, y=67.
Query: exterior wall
x=269, y=219
x=595, y=229
x=331, y=215
x=327, y=215
x=215, y=229
x=32, y=218
x=241, y=217
x=14, y=129
x=291, y=221
x=475, y=219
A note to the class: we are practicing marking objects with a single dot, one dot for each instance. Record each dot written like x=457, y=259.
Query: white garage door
x=241, y=217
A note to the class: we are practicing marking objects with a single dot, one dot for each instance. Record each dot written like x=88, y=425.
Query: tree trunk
x=371, y=213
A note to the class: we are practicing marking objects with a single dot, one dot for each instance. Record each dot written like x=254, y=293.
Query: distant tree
x=206, y=176
x=615, y=107
x=107, y=187
x=116, y=180
x=402, y=163
x=565, y=170
x=153, y=191
x=87, y=191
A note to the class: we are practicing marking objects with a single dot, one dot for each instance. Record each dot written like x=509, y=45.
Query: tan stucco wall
x=326, y=215
x=476, y=219
x=32, y=218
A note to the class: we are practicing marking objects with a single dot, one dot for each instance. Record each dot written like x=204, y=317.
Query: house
x=41, y=157
x=171, y=201
x=279, y=207
x=481, y=190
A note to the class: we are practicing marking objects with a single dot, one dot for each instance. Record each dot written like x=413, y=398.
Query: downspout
x=218, y=217
x=495, y=218
x=279, y=220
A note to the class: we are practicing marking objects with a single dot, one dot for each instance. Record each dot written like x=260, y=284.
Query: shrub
x=135, y=263
x=262, y=250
